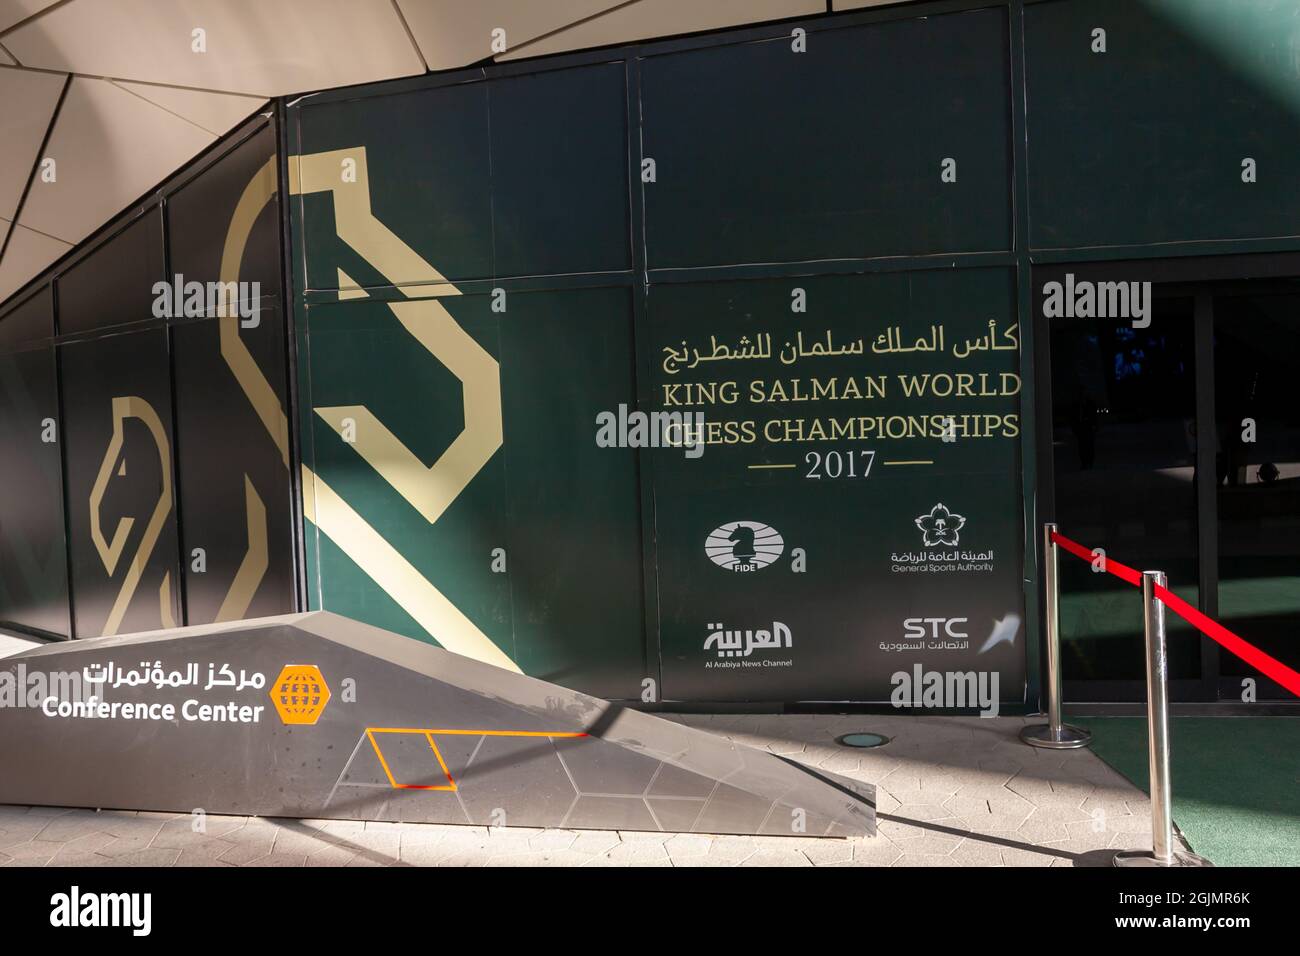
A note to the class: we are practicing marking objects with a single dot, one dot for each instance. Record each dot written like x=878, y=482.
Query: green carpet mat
x=1236, y=781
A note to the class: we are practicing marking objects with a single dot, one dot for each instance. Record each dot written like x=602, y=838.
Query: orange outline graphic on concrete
x=428, y=735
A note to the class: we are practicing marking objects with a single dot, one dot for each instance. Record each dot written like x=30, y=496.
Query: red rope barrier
x=1121, y=571
x=1269, y=666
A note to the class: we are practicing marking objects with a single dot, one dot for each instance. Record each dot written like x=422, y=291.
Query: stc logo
x=923, y=628
x=744, y=545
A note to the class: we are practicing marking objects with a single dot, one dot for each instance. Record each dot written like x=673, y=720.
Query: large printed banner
x=832, y=511
x=852, y=512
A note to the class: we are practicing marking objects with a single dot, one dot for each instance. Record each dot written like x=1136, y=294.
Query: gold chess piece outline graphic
x=429, y=489
x=110, y=552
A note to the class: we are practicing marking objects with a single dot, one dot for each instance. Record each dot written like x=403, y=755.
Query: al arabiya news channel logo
x=940, y=550
x=743, y=546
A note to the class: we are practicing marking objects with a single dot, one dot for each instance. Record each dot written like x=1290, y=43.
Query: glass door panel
x=1124, y=452
x=1257, y=412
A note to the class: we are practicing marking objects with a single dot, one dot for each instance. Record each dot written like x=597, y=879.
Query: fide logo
x=300, y=694
x=744, y=545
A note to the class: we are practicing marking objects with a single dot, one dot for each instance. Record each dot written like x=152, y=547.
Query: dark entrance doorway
x=1176, y=446
x=1256, y=353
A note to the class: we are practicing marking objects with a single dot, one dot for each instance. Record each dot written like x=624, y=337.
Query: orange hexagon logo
x=300, y=694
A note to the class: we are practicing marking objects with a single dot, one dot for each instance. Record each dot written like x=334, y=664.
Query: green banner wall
x=491, y=267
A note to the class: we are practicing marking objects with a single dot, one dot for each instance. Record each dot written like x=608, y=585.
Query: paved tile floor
x=952, y=791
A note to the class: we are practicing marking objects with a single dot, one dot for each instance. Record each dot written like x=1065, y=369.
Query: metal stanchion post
x=1054, y=735
x=1162, y=852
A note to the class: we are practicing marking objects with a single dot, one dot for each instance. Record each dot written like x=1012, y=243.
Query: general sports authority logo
x=940, y=526
x=300, y=694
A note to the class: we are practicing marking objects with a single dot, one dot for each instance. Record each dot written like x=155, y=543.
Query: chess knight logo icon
x=744, y=545
x=940, y=526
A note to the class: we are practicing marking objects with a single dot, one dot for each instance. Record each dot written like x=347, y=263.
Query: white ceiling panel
x=255, y=47
x=860, y=4
x=143, y=102
x=646, y=19
x=215, y=112
x=16, y=11
x=29, y=100
x=27, y=254
x=109, y=148
x=454, y=33
x=11, y=645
